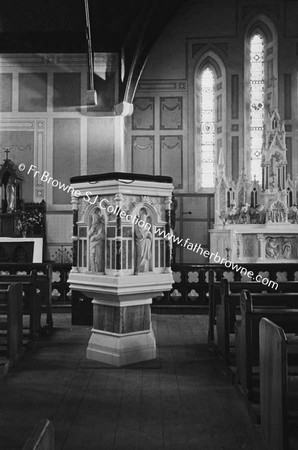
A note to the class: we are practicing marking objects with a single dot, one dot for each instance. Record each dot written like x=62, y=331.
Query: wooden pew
x=276, y=385
x=247, y=333
x=236, y=287
x=11, y=302
x=42, y=437
x=43, y=282
x=36, y=290
x=229, y=306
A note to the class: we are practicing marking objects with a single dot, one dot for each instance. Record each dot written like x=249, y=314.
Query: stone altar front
x=275, y=243
x=120, y=261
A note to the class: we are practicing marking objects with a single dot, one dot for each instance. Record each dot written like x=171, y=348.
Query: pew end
x=279, y=391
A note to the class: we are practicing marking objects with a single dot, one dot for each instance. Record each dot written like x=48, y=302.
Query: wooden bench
x=42, y=437
x=278, y=390
x=31, y=299
x=247, y=333
x=43, y=282
x=229, y=307
x=36, y=289
x=11, y=325
x=236, y=287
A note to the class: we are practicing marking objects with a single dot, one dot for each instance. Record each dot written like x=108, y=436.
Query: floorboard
x=183, y=400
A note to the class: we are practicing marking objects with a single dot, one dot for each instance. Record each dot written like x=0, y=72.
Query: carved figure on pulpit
x=143, y=243
x=96, y=236
x=272, y=248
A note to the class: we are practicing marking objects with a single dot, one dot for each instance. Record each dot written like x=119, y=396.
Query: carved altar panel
x=256, y=243
x=281, y=247
x=248, y=245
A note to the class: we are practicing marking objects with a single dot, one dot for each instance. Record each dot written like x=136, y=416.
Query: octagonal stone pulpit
x=121, y=259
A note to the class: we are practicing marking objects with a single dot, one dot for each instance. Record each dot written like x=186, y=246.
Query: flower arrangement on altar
x=223, y=217
x=233, y=213
x=29, y=220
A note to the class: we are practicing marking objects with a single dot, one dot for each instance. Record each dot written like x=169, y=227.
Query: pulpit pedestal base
x=120, y=350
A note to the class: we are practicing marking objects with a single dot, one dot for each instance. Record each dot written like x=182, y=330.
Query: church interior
x=149, y=224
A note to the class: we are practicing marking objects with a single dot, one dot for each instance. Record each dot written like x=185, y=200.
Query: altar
x=256, y=221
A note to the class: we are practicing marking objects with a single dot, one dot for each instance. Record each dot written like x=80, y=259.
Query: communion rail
x=189, y=290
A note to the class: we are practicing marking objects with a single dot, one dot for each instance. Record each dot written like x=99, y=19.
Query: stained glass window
x=257, y=91
x=207, y=154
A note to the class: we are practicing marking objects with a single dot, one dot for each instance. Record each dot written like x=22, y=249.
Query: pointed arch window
x=261, y=89
x=210, y=120
x=257, y=100
x=207, y=122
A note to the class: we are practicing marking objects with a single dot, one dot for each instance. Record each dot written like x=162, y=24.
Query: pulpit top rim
x=120, y=176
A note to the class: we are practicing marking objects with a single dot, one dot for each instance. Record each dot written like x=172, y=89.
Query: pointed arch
x=260, y=87
x=210, y=120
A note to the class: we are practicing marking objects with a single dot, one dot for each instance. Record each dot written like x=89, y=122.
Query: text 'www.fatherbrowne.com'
x=197, y=248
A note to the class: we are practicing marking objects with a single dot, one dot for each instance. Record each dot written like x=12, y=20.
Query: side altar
x=257, y=221
x=120, y=260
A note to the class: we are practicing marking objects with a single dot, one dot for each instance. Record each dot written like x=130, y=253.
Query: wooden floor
x=182, y=400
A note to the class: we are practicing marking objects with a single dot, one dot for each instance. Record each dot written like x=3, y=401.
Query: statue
x=143, y=240
x=272, y=248
x=287, y=249
x=10, y=195
x=96, y=236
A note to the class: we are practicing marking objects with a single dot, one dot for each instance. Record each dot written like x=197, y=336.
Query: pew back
x=247, y=335
x=229, y=305
x=32, y=298
x=11, y=298
x=44, y=273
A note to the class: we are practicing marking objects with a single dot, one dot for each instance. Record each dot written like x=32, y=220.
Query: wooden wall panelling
x=27, y=139
x=66, y=91
x=171, y=158
x=33, y=92
x=66, y=155
x=144, y=113
x=100, y=145
x=142, y=154
x=171, y=113
x=6, y=92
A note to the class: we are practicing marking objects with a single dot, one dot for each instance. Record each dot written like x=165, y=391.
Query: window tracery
x=257, y=93
x=207, y=119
